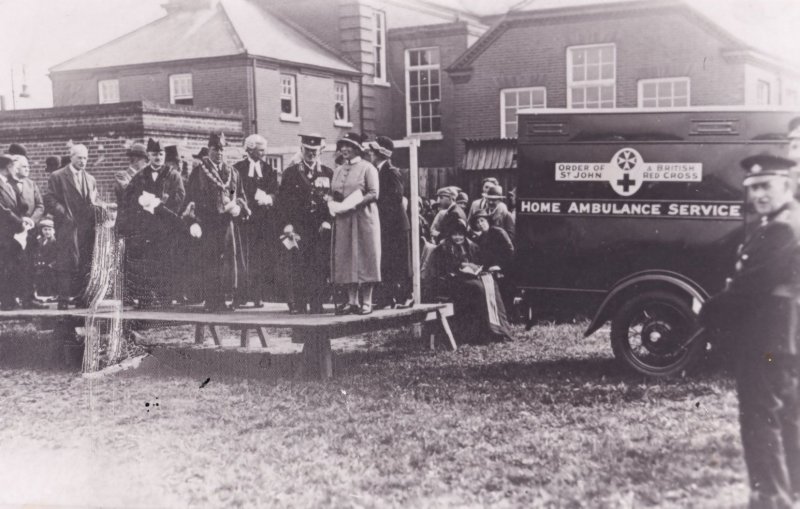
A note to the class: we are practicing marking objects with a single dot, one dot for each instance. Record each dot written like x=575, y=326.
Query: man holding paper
x=356, y=253
x=148, y=219
x=260, y=183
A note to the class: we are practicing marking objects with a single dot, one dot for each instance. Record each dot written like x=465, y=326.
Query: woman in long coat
x=356, y=252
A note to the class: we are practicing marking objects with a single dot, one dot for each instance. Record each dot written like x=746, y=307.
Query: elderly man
x=260, y=183
x=31, y=207
x=304, y=217
x=11, y=226
x=70, y=199
x=758, y=313
x=217, y=193
x=137, y=159
x=148, y=219
x=395, y=288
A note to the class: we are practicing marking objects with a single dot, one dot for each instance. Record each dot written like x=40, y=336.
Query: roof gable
x=230, y=27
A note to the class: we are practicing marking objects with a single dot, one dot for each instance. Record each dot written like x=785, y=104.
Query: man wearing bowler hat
x=137, y=159
x=395, y=288
x=148, y=219
x=757, y=312
x=259, y=239
x=218, y=196
x=304, y=218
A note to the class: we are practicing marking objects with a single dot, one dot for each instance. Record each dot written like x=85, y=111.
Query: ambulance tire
x=666, y=320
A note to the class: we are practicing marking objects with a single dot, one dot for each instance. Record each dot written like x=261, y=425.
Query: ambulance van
x=634, y=216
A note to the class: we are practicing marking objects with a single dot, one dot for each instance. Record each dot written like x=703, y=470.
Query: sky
x=39, y=34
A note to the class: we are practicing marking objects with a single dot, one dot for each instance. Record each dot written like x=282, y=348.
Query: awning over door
x=490, y=154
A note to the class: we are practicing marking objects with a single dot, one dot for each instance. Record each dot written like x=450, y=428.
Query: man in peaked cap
x=217, y=194
x=303, y=213
x=259, y=238
x=758, y=313
x=395, y=285
x=447, y=205
x=148, y=219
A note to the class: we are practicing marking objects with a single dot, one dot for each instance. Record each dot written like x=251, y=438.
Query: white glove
x=27, y=223
x=235, y=211
x=263, y=198
x=325, y=226
x=195, y=231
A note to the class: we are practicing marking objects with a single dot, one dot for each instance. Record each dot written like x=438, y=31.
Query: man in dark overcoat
x=757, y=312
x=70, y=199
x=148, y=219
x=11, y=224
x=303, y=211
x=216, y=195
x=137, y=159
x=29, y=205
x=395, y=285
x=260, y=183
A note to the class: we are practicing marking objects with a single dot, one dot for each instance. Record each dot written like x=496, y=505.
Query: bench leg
x=317, y=357
x=243, y=339
x=261, y=337
x=447, y=331
x=198, y=334
x=213, y=330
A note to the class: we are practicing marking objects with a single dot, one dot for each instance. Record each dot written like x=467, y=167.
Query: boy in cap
x=303, y=212
x=260, y=183
x=758, y=313
x=45, y=259
x=219, y=200
x=148, y=219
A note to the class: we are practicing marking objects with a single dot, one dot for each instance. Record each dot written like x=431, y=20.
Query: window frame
x=101, y=96
x=767, y=85
x=503, y=92
x=585, y=84
x=379, y=47
x=173, y=96
x=293, y=116
x=345, y=121
x=407, y=66
x=656, y=81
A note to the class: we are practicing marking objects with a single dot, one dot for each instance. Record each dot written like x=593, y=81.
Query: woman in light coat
x=356, y=251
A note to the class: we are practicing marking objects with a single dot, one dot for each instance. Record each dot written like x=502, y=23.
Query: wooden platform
x=313, y=331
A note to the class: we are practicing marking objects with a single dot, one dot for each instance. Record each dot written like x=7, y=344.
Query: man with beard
x=260, y=183
x=218, y=196
x=394, y=288
x=148, y=219
x=29, y=206
x=304, y=217
x=70, y=199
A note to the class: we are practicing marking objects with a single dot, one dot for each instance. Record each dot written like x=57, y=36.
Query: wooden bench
x=313, y=331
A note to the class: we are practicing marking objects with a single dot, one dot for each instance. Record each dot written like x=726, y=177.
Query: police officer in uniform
x=304, y=218
x=757, y=313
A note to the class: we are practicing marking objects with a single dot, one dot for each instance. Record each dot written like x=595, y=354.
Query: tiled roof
x=490, y=154
x=231, y=27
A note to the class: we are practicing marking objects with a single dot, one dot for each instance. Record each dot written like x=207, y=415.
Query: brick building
x=108, y=130
x=601, y=54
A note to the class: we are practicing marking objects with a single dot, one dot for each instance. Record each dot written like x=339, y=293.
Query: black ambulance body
x=635, y=216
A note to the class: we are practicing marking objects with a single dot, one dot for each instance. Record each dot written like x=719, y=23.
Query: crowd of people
x=234, y=236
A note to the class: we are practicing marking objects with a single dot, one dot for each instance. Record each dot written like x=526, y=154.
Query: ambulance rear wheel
x=649, y=333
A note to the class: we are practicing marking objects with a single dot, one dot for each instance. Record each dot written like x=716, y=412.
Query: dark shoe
x=62, y=306
x=365, y=309
x=347, y=309
x=217, y=307
x=32, y=304
x=258, y=304
x=385, y=304
x=409, y=302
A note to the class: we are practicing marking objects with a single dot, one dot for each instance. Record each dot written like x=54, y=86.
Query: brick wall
x=108, y=130
x=649, y=45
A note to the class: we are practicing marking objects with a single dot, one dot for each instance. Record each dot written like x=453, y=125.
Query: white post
x=413, y=204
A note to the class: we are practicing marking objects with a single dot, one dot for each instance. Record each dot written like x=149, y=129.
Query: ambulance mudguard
x=632, y=215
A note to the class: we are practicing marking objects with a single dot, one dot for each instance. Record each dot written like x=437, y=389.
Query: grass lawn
x=544, y=421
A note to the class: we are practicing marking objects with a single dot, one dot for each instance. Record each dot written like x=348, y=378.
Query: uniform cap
x=352, y=139
x=765, y=165
x=312, y=141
